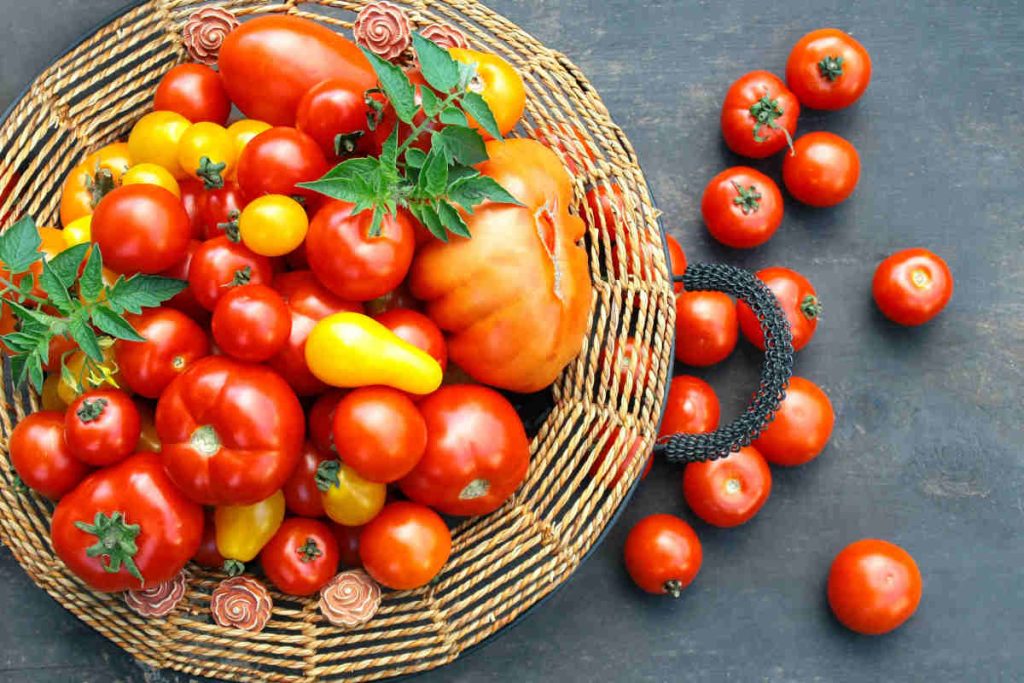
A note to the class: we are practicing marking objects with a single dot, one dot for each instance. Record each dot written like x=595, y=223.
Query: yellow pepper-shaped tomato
x=348, y=499
x=354, y=350
x=243, y=530
x=498, y=83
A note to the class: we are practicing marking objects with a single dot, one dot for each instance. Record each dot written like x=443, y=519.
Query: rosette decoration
x=383, y=29
x=159, y=600
x=350, y=599
x=241, y=602
x=204, y=32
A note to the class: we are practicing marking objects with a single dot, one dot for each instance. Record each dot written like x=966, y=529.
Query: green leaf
x=35, y=371
x=451, y=219
x=19, y=246
x=453, y=116
x=434, y=179
x=469, y=192
x=467, y=72
x=66, y=263
x=461, y=144
x=359, y=181
x=389, y=153
x=378, y=216
x=56, y=290
x=142, y=291
x=414, y=157
x=360, y=167
x=474, y=105
x=90, y=285
x=85, y=337
x=109, y=322
x=31, y=316
x=428, y=100
x=396, y=86
x=429, y=219
x=436, y=65
x=19, y=369
x=458, y=172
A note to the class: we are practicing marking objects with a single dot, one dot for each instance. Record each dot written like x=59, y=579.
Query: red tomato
x=278, y=158
x=301, y=496
x=301, y=557
x=251, y=322
x=828, y=69
x=102, y=427
x=58, y=346
x=607, y=206
x=207, y=555
x=141, y=228
x=663, y=554
x=729, y=491
x=874, y=586
x=742, y=207
x=798, y=300
x=912, y=286
x=706, y=328
x=220, y=263
x=418, y=330
x=41, y=457
x=321, y=422
x=333, y=109
x=351, y=263
x=677, y=260
x=379, y=433
x=185, y=301
x=635, y=450
x=629, y=358
x=399, y=297
x=691, y=408
x=823, y=169
x=195, y=91
x=174, y=342
x=801, y=428
x=219, y=207
x=641, y=263
x=404, y=546
x=759, y=115
x=231, y=432
x=348, y=544
x=191, y=195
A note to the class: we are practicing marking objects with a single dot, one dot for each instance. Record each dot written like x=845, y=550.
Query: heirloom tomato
x=706, y=328
x=348, y=498
x=42, y=458
x=273, y=225
x=221, y=263
x=195, y=91
x=728, y=491
x=154, y=139
x=912, y=286
x=102, y=427
x=251, y=323
x=418, y=330
x=874, y=586
x=91, y=180
x=828, y=69
x=174, y=342
x=691, y=407
x=141, y=228
x=276, y=160
x=405, y=546
x=823, y=169
x=301, y=557
x=663, y=554
x=742, y=207
x=498, y=83
x=379, y=433
x=798, y=300
x=759, y=115
x=801, y=427
x=243, y=530
x=301, y=495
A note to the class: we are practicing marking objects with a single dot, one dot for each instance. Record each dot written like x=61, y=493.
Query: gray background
x=927, y=447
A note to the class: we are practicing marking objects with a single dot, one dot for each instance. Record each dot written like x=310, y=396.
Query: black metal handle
x=775, y=373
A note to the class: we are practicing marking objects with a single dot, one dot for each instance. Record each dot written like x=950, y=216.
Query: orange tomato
x=498, y=83
x=99, y=173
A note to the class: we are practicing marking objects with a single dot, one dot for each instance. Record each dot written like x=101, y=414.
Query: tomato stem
x=233, y=567
x=242, y=276
x=210, y=173
x=673, y=587
x=766, y=112
x=230, y=228
x=810, y=307
x=475, y=489
x=327, y=475
x=115, y=541
x=309, y=550
x=747, y=198
x=205, y=440
x=99, y=185
x=831, y=67
x=91, y=409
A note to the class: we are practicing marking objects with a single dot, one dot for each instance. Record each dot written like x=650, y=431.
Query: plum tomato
x=874, y=586
x=663, y=554
x=729, y=491
x=173, y=343
x=251, y=323
x=828, y=69
x=691, y=407
x=823, y=169
x=801, y=428
x=41, y=456
x=759, y=115
x=798, y=299
x=379, y=433
x=706, y=328
x=742, y=208
x=912, y=286
x=102, y=427
x=405, y=546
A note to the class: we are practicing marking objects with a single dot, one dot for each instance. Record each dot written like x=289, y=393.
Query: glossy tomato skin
x=207, y=554
x=758, y=112
x=677, y=260
x=874, y=586
x=418, y=330
x=828, y=69
x=301, y=496
x=41, y=457
x=801, y=428
x=663, y=554
x=251, y=323
x=692, y=407
x=729, y=491
x=379, y=433
x=231, y=432
x=217, y=207
x=348, y=544
x=823, y=169
x=102, y=427
x=191, y=195
x=912, y=286
x=220, y=262
x=498, y=83
x=174, y=342
x=170, y=525
x=321, y=421
x=742, y=207
x=276, y=159
x=195, y=91
x=141, y=229
x=301, y=557
x=706, y=328
x=405, y=546
x=798, y=299
x=185, y=301
x=351, y=263
x=336, y=107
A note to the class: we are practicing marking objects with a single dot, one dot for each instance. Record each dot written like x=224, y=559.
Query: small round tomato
x=729, y=491
x=219, y=209
x=207, y=153
x=102, y=427
x=251, y=322
x=418, y=330
x=498, y=83
x=79, y=231
x=154, y=139
x=823, y=169
x=742, y=207
x=663, y=555
x=301, y=557
x=691, y=408
x=90, y=181
x=759, y=115
x=706, y=328
x=173, y=343
x=348, y=544
x=276, y=160
x=348, y=498
x=828, y=69
x=798, y=300
x=334, y=113
x=208, y=555
x=195, y=91
x=627, y=359
x=141, y=228
x=185, y=301
x=273, y=225
x=912, y=286
x=301, y=495
x=405, y=546
x=321, y=421
x=42, y=458
x=49, y=397
x=242, y=132
x=874, y=586
x=636, y=450
x=192, y=192
x=801, y=428
x=151, y=174
x=221, y=263
x=379, y=433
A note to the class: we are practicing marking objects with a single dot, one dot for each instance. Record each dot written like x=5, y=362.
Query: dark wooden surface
x=927, y=450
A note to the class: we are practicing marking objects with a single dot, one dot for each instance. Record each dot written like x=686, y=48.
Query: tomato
x=912, y=286
x=405, y=546
x=151, y=174
x=624, y=464
x=321, y=421
x=607, y=209
x=801, y=428
x=276, y=160
x=677, y=261
x=185, y=300
x=729, y=491
x=823, y=169
x=149, y=440
x=691, y=407
x=759, y=115
x=195, y=91
x=874, y=586
x=78, y=231
x=570, y=143
x=742, y=207
x=301, y=494
x=141, y=228
x=399, y=297
x=379, y=433
x=154, y=139
x=663, y=554
x=243, y=530
x=126, y=527
x=348, y=544
x=418, y=330
x=219, y=208
x=628, y=359
x=798, y=299
x=174, y=342
x=207, y=554
x=231, y=432
x=242, y=132
x=348, y=498
x=350, y=262
x=59, y=347
x=192, y=192
x=477, y=452
x=220, y=263
x=102, y=427
x=828, y=69
x=498, y=83
x=273, y=225
x=89, y=181
x=334, y=113
x=706, y=328
x=49, y=398
x=41, y=457
x=301, y=557
x=206, y=152
x=251, y=322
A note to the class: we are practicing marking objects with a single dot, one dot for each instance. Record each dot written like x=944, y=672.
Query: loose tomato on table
x=379, y=433
x=321, y=421
x=334, y=113
x=221, y=263
x=273, y=225
x=828, y=69
x=706, y=328
x=759, y=115
x=729, y=491
x=195, y=91
x=405, y=546
x=801, y=428
x=219, y=208
x=41, y=456
x=418, y=330
x=691, y=407
x=301, y=495
x=663, y=555
x=102, y=427
x=912, y=286
x=91, y=180
x=301, y=557
x=243, y=530
x=742, y=207
x=498, y=83
x=251, y=323
x=874, y=586
x=174, y=342
x=151, y=174
x=276, y=160
x=154, y=139
x=348, y=498
x=798, y=299
x=141, y=228
x=823, y=169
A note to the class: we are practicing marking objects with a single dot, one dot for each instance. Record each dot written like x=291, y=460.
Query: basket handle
x=775, y=373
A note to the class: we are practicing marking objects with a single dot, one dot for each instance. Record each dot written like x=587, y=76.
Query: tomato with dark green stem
x=405, y=546
x=663, y=555
x=301, y=495
x=418, y=330
x=102, y=427
x=759, y=115
x=174, y=342
x=251, y=323
x=141, y=228
x=348, y=544
x=221, y=263
x=691, y=407
x=801, y=428
x=379, y=433
x=798, y=299
x=90, y=181
x=321, y=421
x=706, y=328
x=218, y=208
x=823, y=169
x=276, y=160
x=912, y=286
x=729, y=491
x=828, y=69
x=874, y=586
x=41, y=456
x=742, y=207
x=195, y=91
x=301, y=557
x=334, y=113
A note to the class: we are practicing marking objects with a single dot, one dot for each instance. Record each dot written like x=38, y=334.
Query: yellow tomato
x=350, y=500
x=50, y=397
x=242, y=530
x=241, y=132
x=155, y=138
x=101, y=374
x=151, y=174
x=87, y=182
x=79, y=231
x=498, y=83
x=273, y=225
x=202, y=150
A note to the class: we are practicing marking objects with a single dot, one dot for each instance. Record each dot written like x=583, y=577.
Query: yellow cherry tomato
x=498, y=83
x=149, y=440
x=242, y=530
x=81, y=378
x=241, y=132
x=152, y=174
x=87, y=182
x=349, y=499
x=273, y=225
x=78, y=231
x=155, y=138
x=50, y=398
x=207, y=153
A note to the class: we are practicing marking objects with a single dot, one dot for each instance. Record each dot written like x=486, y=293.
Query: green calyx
x=243, y=276
x=115, y=541
x=765, y=112
x=327, y=475
x=831, y=68
x=810, y=307
x=233, y=567
x=673, y=587
x=211, y=173
x=230, y=228
x=747, y=198
x=99, y=185
x=309, y=550
x=345, y=143
x=91, y=409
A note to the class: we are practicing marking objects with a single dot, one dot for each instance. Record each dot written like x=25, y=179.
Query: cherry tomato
x=801, y=428
x=759, y=115
x=348, y=498
x=405, y=546
x=278, y=158
x=191, y=193
x=251, y=322
x=78, y=231
x=348, y=544
x=798, y=300
x=174, y=342
x=498, y=83
x=706, y=328
x=874, y=586
x=206, y=152
x=823, y=169
x=912, y=286
x=636, y=450
x=221, y=263
x=273, y=225
x=321, y=421
x=334, y=113
x=185, y=301
x=208, y=555
x=102, y=427
x=151, y=174
x=41, y=457
x=154, y=139
x=301, y=557
x=418, y=330
x=828, y=69
x=219, y=208
x=691, y=408
x=628, y=358
x=195, y=91
x=242, y=132
x=729, y=491
x=742, y=207
x=49, y=397
x=379, y=433
x=90, y=181
x=301, y=495
x=141, y=228
x=663, y=554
